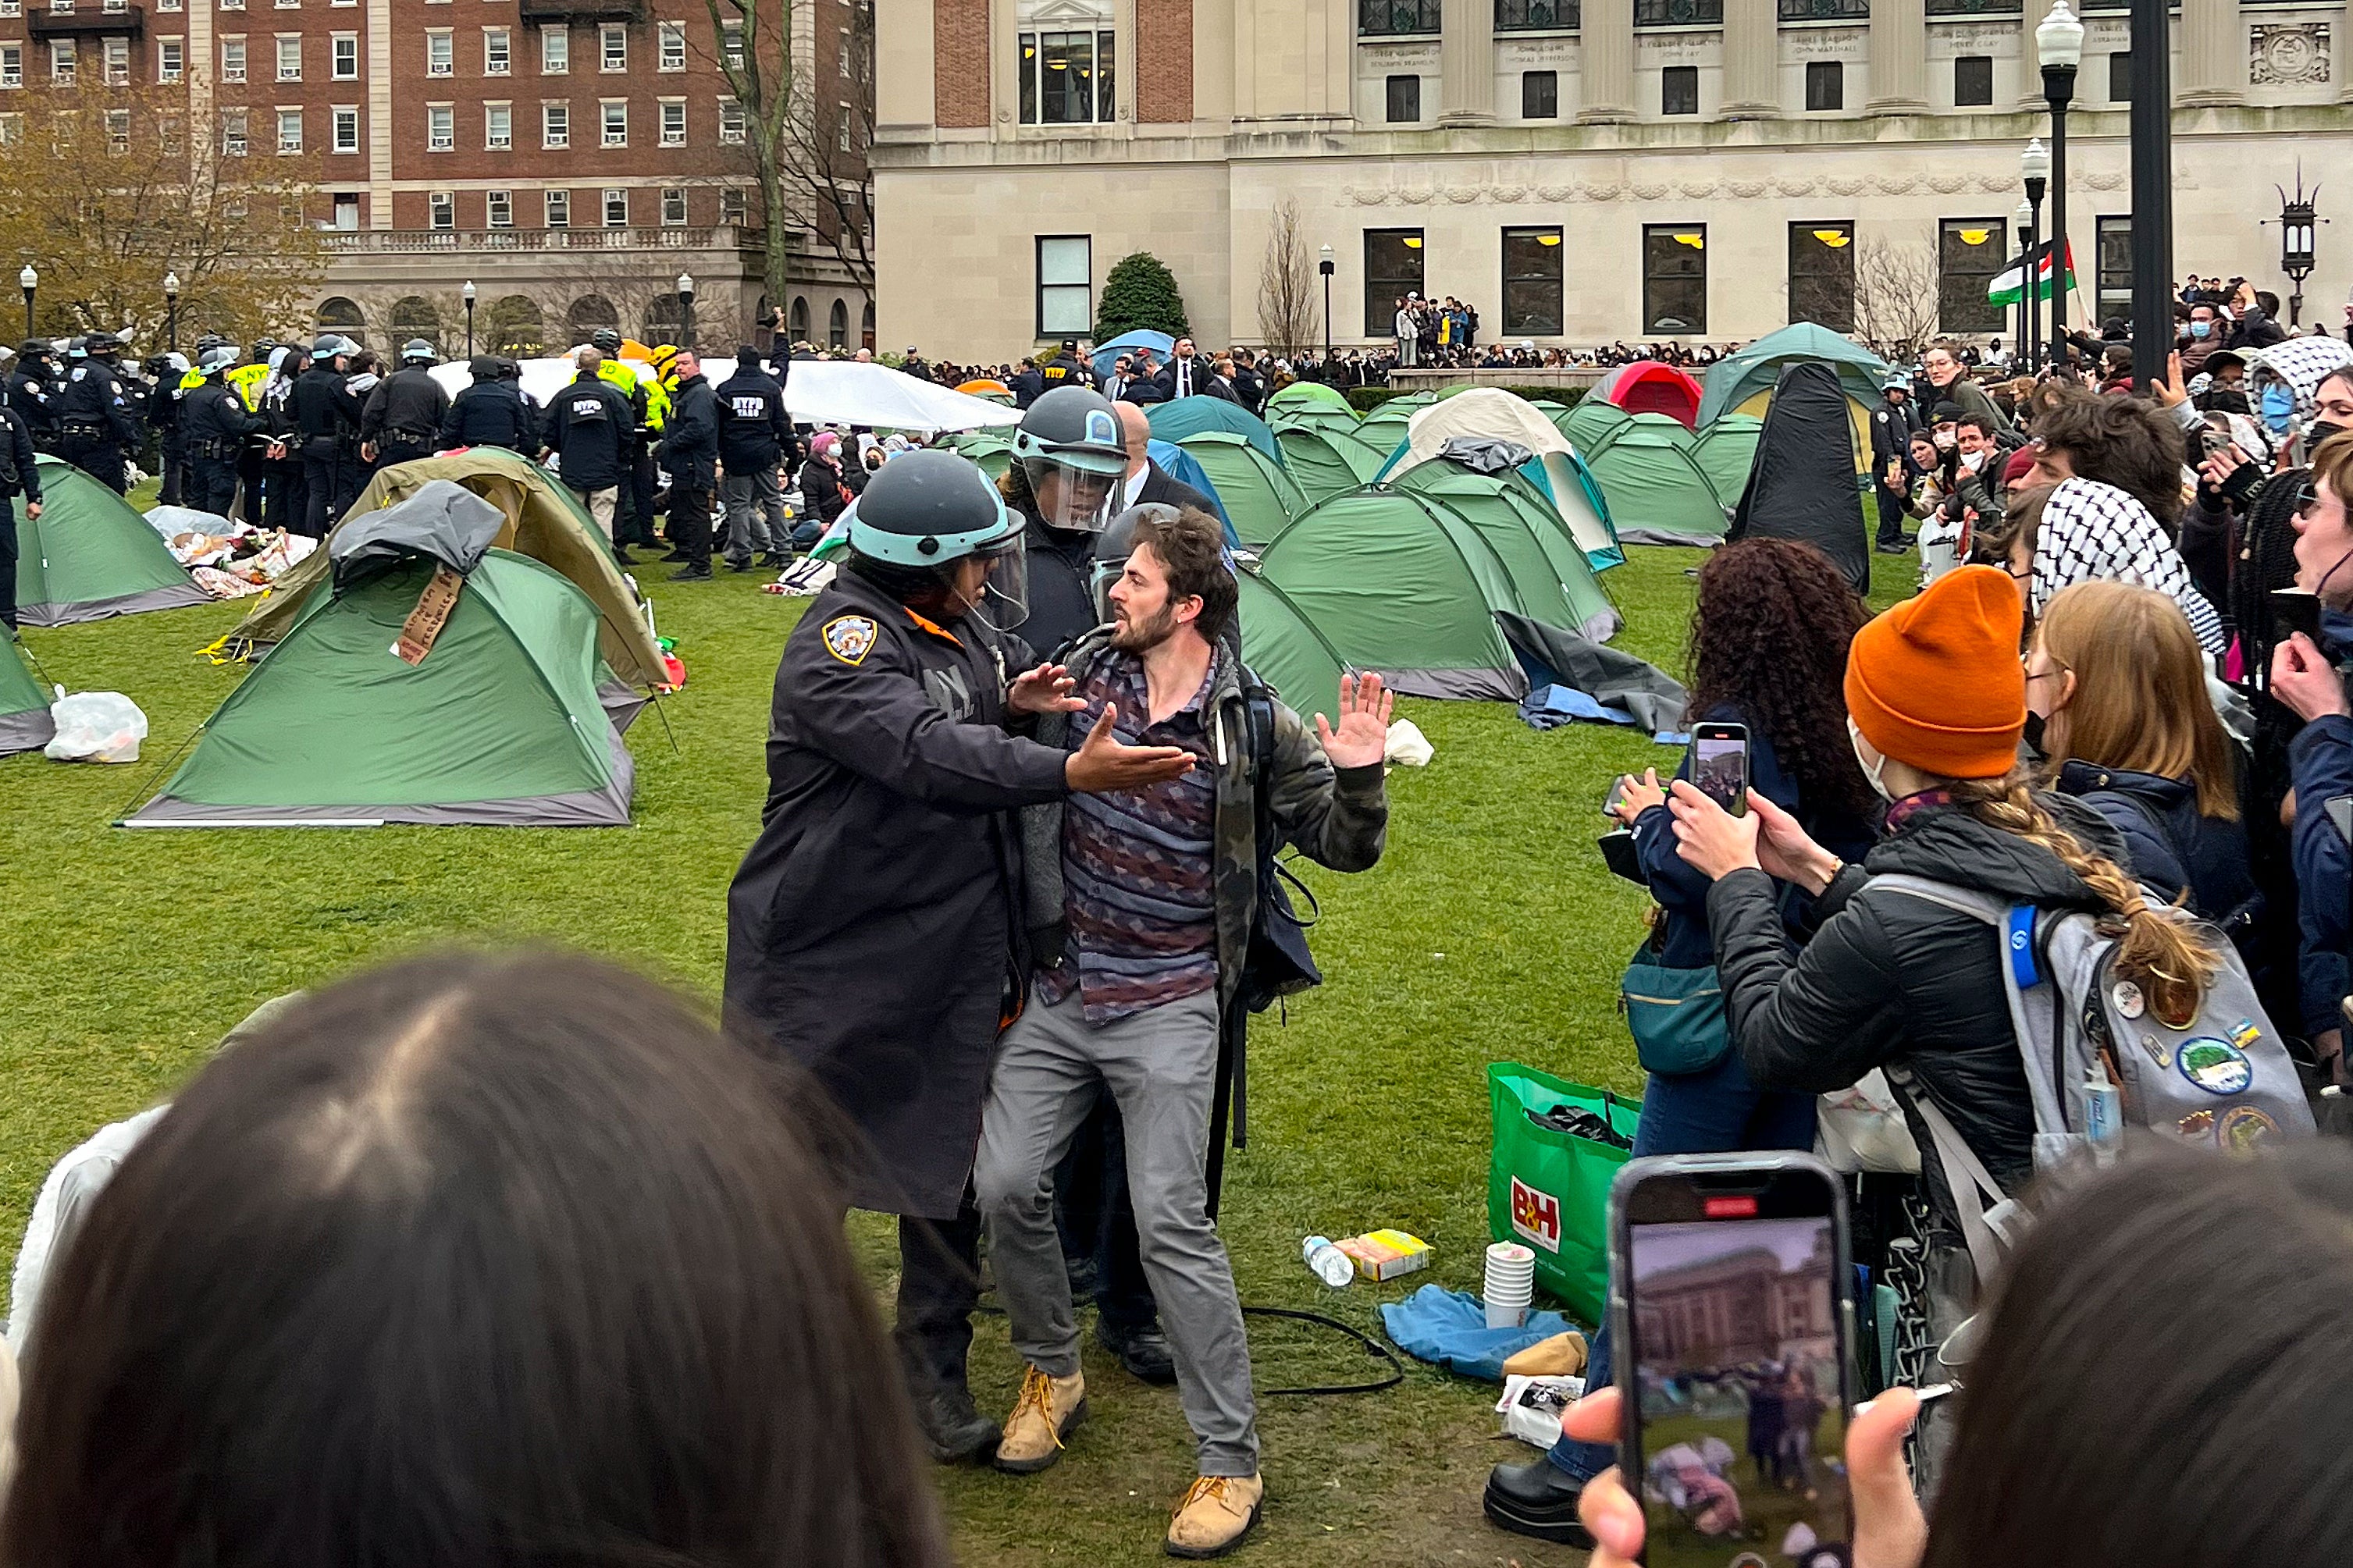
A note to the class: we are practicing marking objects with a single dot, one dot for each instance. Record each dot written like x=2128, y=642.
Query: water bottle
x=2103, y=1120
x=1331, y=1265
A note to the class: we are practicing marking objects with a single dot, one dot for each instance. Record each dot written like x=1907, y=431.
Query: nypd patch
x=848, y=638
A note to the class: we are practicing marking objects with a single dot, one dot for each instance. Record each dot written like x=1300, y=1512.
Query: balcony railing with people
x=1396, y=18
x=379, y=241
x=1535, y=15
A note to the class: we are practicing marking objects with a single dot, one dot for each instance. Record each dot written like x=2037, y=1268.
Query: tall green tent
x=1740, y=375
x=1258, y=496
x=1401, y=585
x=1190, y=416
x=1548, y=567
x=1325, y=462
x=1283, y=649
x=24, y=705
x=1657, y=492
x=89, y=557
x=1591, y=424
x=497, y=724
x=1723, y=451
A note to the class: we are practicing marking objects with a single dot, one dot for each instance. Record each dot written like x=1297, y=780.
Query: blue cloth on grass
x=1449, y=1328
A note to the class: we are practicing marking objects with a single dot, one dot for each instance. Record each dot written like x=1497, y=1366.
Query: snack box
x=1386, y=1254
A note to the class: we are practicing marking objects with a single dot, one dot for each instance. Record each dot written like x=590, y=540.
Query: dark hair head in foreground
x=476, y=1260
x=2164, y=1382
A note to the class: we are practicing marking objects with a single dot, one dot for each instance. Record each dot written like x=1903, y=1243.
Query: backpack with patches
x=2221, y=1079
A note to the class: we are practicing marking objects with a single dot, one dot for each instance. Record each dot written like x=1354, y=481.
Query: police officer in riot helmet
x=401, y=419
x=873, y=934
x=217, y=424
x=327, y=425
x=1068, y=457
x=98, y=414
x=169, y=381
x=490, y=412
x=32, y=391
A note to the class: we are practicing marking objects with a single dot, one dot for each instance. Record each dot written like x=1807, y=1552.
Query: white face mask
x=1864, y=756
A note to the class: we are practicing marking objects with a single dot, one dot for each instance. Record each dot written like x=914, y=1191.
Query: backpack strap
x=1992, y=1220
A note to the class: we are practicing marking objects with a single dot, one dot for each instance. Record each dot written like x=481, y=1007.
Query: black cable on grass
x=1372, y=1347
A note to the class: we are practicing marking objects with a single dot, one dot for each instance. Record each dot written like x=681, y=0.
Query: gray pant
x=1159, y=1067
x=755, y=513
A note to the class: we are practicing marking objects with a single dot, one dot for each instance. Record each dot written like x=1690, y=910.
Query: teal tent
x=1192, y=416
x=1258, y=496
x=1324, y=461
x=23, y=704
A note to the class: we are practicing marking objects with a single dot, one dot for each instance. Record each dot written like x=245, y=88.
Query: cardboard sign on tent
x=1259, y=499
x=1655, y=488
x=1324, y=462
x=25, y=724
x=1799, y=486
x=1191, y=415
x=542, y=520
x=89, y=557
x=1555, y=581
x=1649, y=386
x=389, y=699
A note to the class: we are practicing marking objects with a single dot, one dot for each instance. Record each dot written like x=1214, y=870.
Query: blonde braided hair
x=2169, y=959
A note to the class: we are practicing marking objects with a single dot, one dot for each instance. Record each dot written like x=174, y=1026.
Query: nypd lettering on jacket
x=750, y=407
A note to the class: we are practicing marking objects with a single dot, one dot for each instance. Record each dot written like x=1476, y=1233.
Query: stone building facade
x=1699, y=170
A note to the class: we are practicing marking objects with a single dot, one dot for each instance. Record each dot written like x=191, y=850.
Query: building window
x=289, y=132
x=616, y=209
x=670, y=39
x=233, y=133
x=1678, y=13
x=168, y=132
x=346, y=126
x=498, y=209
x=1675, y=279
x=61, y=62
x=1534, y=15
x=443, y=206
x=731, y=44
x=555, y=126
x=673, y=205
x=731, y=206
x=11, y=7
x=1393, y=18
x=841, y=128
x=115, y=60
x=171, y=59
x=1821, y=274
x=1066, y=79
x=613, y=48
x=290, y=58
x=1404, y=99
x=232, y=60
x=118, y=131
x=440, y=127
x=1066, y=291
x=730, y=122
x=1825, y=87
x=841, y=56
x=1973, y=82
x=498, y=126
x=229, y=5
x=344, y=56
x=11, y=130
x=559, y=208
x=1540, y=95
x=1970, y=251
x=440, y=53
x=12, y=64
x=673, y=122
x=1679, y=89
x=554, y=51
x=2115, y=267
x=2120, y=76
x=1532, y=282
x=1392, y=270
x=615, y=115
x=498, y=51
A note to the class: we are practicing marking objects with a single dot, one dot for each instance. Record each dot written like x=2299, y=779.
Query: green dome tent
x=89, y=557
x=1656, y=490
x=1483, y=415
x=1743, y=383
x=1192, y=416
x=1306, y=397
x=1549, y=569
x=24, y=705
x=1401, y=585
x=991, y=453
x=1259, y=498
x=1723, y=451
x=1285, y=651
x=1591, y=424
x=1325, y=462
x=498, y=722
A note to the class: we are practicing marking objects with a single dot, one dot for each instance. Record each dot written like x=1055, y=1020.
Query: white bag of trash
x=1408, y=746
x=95, y=727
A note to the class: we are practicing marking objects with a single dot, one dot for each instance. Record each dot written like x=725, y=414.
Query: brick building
x=569, y=158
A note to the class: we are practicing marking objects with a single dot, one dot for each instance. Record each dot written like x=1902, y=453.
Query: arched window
x=340, y=314
x=513, y=325
x=866, y=326
x=665, y=319
x=836, y=326
x=797, y=319
x=587, y=313
x=413, y=316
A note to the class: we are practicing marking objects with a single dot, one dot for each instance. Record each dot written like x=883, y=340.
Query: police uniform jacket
x=589, y=425
x=37, y=401
x=690, y=448
x=27, y=464
x=1066, y=370
x=753, y=429
x=324, y=407
x=489, y=413
x=213, y=415
x=95, y=395
x=871, y=928
x=407, y=406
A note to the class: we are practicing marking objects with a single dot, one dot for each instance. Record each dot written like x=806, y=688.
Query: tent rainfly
x=1190, y=416
x=1799, y=486
x=1258, y=496
x=1550, y=571
x=1491, y=413
x=1649, y=386
x=1724, y=450
x=1656, y=490
x=89, y=557
x=1326, y=461
x=25, y=723
x=1743, y=382
x=1285, y=649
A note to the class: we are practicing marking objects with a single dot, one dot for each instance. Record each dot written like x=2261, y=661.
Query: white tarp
x=845, y=392
x=541, y=378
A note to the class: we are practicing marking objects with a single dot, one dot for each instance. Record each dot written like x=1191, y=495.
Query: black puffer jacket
x=1887, y=977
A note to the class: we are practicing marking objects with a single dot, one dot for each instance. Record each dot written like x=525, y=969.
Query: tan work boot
x=1048, y=1409
x=1215, y=1516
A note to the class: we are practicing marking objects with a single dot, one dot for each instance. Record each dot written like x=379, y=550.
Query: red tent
x=1647, y=386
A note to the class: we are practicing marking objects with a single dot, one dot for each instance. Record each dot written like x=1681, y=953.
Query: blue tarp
x=1449, y=1328
x=1181, y=466
x=1107, y=354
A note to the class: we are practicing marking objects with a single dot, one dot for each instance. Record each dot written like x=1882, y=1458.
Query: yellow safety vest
x=247, y=379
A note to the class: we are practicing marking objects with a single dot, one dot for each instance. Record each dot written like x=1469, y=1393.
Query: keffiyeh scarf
x=2092, y=531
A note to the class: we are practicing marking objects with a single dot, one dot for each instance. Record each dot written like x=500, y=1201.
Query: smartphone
x=1719, y=764
x=1731, y=1306
x=2295, y=610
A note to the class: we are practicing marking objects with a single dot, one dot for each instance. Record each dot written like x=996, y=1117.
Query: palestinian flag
x=2007, y=289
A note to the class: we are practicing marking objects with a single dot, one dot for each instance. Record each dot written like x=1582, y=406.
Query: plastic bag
x=1549, y=1187
x=1407, y=747
x=95, y=727
x=1863, y=1128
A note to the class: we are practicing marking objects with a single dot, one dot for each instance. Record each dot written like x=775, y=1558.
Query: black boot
x=1143, y=1350
x=1537, y=1500
x=954, y=1430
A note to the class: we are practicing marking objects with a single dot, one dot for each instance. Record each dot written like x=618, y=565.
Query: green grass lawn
x=1488, y=933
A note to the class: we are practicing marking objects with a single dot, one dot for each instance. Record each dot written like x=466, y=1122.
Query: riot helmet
x=925, y=513
x=1072, y=456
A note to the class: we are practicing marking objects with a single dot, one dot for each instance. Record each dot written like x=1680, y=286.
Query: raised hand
x=1362, y=737
x=1103, y=764
x=1045, y=690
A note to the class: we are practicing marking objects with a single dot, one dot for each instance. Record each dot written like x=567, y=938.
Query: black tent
x=1801, y=482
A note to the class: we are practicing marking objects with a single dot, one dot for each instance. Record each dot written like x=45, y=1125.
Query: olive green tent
x=990, y=452
x=544, y=521
x=1400, y=583
x=497, y=723
x=1591, y=424
x=1306, y=397
x=1258, y=496
x=1385, y=426
x=89, y=557
x=1190, y=416
x=1655, y=488
x=1723, y=451
x=23, y=704
x=1284, y=650
x=1324, y=461
x=1549, y=569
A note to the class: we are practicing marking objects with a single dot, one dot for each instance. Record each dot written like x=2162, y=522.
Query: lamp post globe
x=1325, y=266
x=28, y=280
x=467, y=293
x=2059, y=41
x=172, y=310
x=686, y=308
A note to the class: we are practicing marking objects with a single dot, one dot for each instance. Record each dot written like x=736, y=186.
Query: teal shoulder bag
x=1676, y=1015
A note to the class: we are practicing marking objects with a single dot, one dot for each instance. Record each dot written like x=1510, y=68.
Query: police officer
x=327, y=425
x=1069, y=459
x=32, y=391
x=98, y=422
x=872, y=930
x=690, y=451
x=753, y=431
x=1066, y=368
x=489, y=413
x=633, y=507
x=218, y=427
x=590, y=426
x=402, y=420
x=166, y=373
x=20, y=474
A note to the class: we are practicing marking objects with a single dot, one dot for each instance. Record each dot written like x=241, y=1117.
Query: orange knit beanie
x=1935, y=682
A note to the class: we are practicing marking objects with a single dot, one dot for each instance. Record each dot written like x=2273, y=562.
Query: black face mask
x=2320, y=430
x=2033, y=736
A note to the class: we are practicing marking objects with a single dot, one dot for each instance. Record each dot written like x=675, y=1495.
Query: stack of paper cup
x=1511, y=1284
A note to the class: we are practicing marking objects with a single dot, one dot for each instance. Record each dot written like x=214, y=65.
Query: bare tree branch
x=1286, y=286
x=1895, y=291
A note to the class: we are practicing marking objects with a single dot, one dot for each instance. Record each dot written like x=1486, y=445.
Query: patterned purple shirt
x=1138, y=899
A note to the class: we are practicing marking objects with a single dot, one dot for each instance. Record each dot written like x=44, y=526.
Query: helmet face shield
x=1004, y=602
x=1071, y=497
